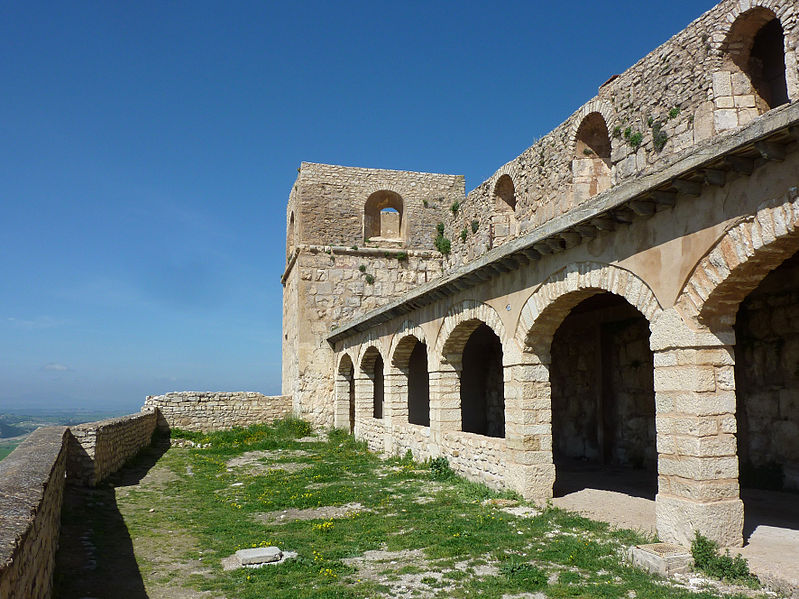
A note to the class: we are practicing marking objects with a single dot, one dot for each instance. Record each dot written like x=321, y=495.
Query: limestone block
x=722, y=84
x=724, y=119
x=678, y=519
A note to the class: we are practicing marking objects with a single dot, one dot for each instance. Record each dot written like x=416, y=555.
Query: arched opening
x=482, y=384
x=290, y=242
x=591, y=166
x=603, y=400
x=767, y=398
x=505, y=194
x=755, y=58
x=382, y=218
x=345, y=395
x=372, y=367
x=418, y=386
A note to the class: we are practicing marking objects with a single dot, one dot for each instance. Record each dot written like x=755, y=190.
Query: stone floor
x=626, y=498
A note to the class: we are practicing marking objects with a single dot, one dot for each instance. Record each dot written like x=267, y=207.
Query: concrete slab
x=259, y=555
x=664, y=559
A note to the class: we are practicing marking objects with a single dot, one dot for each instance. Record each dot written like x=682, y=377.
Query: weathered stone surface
x=664, y=559
x=258, y=555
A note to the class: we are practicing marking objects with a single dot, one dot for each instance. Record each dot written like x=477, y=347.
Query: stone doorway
x=482, y=387
x=603, y=400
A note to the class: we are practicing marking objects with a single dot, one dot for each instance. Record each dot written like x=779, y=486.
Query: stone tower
x=356, y=239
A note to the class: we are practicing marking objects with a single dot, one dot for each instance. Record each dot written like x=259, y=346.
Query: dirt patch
x=391, y=568
x=325, y=512
x=617, y=509
x=260, y=462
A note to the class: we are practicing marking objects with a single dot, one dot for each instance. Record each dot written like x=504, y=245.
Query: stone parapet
x=98, y=449
x=31, y=492
x=209, y=411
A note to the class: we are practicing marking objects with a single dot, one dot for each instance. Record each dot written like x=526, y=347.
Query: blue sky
x=148, y=149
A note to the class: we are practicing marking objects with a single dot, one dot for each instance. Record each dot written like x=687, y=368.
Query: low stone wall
x=31, y=492
x=98, y=449
x=476, y=457
x=373, y=431
x=210, y=411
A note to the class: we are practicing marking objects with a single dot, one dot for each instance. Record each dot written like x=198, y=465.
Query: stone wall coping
x=109, y=422
x=24, y=476
x=320, y=170
x=714, y=149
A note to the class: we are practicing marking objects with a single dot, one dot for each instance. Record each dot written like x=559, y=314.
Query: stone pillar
x=528, y=430
x=341, y=416
x=364, y=397
x=695, y=421
x=395, y=388
x=445, y=402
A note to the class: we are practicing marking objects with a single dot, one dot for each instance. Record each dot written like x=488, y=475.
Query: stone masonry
x=642, y=224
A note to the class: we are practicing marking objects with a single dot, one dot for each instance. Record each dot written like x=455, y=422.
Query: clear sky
x=147, y=151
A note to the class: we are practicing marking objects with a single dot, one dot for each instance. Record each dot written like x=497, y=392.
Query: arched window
x=591, y=166
x=505, y=194
x=382, y=216
x=752, y=80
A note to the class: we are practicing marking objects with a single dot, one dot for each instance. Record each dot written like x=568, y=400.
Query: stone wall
x=680, y=92
x=328, y=286
x=209, y=411
x=98, y=449
x=31, y=492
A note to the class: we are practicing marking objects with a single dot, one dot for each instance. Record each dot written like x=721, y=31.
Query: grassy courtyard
x=361, y=527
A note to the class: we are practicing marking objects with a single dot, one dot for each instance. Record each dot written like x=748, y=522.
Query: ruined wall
x=767, y=380
x=209, y=411
x=98, y=449
x=679, y=95
x=31, y=492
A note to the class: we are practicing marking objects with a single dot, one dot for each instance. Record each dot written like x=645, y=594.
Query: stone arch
x=738, y=261
x=410, y=378
x=755, y=62
x=372, y=377
x=505, y=194
x=592, y=169
x=603, y=107
x=546, y=308
x=460, y=322
x=383, y=216
x=344, y=416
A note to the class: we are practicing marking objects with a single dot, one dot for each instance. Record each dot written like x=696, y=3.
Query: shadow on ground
x=95, y=556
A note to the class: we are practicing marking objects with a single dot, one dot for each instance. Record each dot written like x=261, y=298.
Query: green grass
x=468, y=548
x=7, y=447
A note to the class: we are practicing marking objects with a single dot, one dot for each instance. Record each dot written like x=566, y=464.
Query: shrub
x=674, y=112
x=636, y=139
x=425, y=203
x=440, y=228
x=455, y=207
x=370, y=280
x=464, y=234
x=725, y=567
x=475, y=226
x=362, y=268
x=443, y=245
x=659, y=136
x=402, y=256
x=439, y=468
x=616, y=131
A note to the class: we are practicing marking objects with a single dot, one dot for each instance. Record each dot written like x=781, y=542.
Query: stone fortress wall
x=640, y=224
x=338, y=269
x=33, y=476
x=210, y=411
x=685, y=92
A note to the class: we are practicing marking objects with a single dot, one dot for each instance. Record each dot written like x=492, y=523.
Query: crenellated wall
x=209, y=411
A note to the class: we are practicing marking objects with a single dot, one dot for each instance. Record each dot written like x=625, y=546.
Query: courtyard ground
x=361, y=526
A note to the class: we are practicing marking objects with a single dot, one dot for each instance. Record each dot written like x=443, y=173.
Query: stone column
x=341, y=416
x=395, y=388
x=445, y=401
x=528, y=429
x=696, y=426
x=364, y=397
